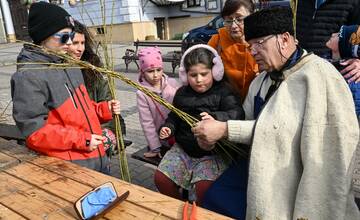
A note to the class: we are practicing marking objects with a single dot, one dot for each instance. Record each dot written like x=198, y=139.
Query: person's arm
x=147, y=121
x=170, y=122
x=30, y=113
x=240, y=131
x=102, y=111
x=211, y=131
x=103, y=93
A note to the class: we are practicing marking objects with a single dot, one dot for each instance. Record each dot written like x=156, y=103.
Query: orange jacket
x=240, y=66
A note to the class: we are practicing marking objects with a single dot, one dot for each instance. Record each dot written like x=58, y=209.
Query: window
x=100, y=30
x=193, y=3
x=58, y=2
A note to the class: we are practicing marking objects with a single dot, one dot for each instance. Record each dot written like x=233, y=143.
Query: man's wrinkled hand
x=208, y=132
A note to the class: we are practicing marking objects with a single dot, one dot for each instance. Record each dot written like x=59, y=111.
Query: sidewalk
x=141, y=173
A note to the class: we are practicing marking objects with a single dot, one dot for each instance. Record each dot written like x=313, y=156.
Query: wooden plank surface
x=30, y=201
x=7, y=214
x=12, y=149
x=10, y=131
x=139, y=196
x=40, y=187
x=11, y=154
x=7, y=161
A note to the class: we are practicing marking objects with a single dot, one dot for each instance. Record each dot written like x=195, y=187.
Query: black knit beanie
x=46, y=19
x=267, y=22
x=346, y=48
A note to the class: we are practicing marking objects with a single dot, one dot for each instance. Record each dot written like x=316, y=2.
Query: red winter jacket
x=53, y=110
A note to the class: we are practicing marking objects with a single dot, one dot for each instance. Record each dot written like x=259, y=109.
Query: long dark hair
x=89, y=55
x=231, y=6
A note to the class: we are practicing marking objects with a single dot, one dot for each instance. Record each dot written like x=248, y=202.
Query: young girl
x=151, y=114
x=345, y=45
x=204, y=95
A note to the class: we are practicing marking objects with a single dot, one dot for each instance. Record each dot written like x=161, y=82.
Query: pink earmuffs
x=217, y=69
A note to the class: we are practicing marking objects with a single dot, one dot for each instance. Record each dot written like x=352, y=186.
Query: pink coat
x=151, y=114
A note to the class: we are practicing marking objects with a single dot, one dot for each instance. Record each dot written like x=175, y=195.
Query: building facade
x=129, y=20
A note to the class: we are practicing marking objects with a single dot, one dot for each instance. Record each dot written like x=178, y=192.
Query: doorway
x=160, y=27
x=19, y=15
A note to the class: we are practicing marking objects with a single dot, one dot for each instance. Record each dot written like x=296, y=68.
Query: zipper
x=71, y=94
x=87, y=118
x=83, y=94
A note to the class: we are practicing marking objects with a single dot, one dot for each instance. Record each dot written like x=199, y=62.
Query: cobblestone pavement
x=141, y=173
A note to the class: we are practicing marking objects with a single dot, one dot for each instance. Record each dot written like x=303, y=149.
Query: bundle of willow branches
x=223, y=146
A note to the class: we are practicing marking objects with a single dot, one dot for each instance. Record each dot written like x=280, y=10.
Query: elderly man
x=301, y=126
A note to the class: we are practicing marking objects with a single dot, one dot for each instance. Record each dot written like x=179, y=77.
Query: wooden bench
x=173, y=57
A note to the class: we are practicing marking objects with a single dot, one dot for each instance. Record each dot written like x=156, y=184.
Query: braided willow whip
x=222, y=144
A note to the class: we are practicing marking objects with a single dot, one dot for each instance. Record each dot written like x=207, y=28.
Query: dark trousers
x=227, y=195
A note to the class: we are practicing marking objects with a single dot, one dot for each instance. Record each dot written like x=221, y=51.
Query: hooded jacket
x=52, y=109
x=240, y=67
x=151, y=114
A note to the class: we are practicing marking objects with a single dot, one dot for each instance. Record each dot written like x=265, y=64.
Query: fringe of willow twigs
x=109, y=64
x=222, y=145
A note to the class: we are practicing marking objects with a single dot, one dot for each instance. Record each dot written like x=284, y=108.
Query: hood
x=217, y=69
x=31, y=54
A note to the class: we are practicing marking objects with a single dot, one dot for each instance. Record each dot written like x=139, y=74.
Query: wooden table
x=40, y=187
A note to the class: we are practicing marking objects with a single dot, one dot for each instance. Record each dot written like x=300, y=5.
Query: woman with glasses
x=240, y=66
x=82, y=48
x=51, y=106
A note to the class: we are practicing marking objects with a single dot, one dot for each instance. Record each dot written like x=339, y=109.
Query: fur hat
x=149, y=57
x=217, y=69
x=349, y=40
x=46, y=19
x=267, y=22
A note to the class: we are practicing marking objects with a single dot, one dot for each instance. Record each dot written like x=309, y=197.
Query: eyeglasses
x=65, y=36
x=237, y=21
x=259, y=44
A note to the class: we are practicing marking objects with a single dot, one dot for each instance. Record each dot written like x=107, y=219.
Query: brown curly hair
x=89, y=55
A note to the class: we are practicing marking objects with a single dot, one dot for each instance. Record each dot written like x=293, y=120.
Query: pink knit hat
x=150, y=57
x=217, y=69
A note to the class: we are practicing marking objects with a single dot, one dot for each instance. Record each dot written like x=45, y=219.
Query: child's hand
x=165, y=132
x=114, y=106
x=95, y=141
x=206, y=116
